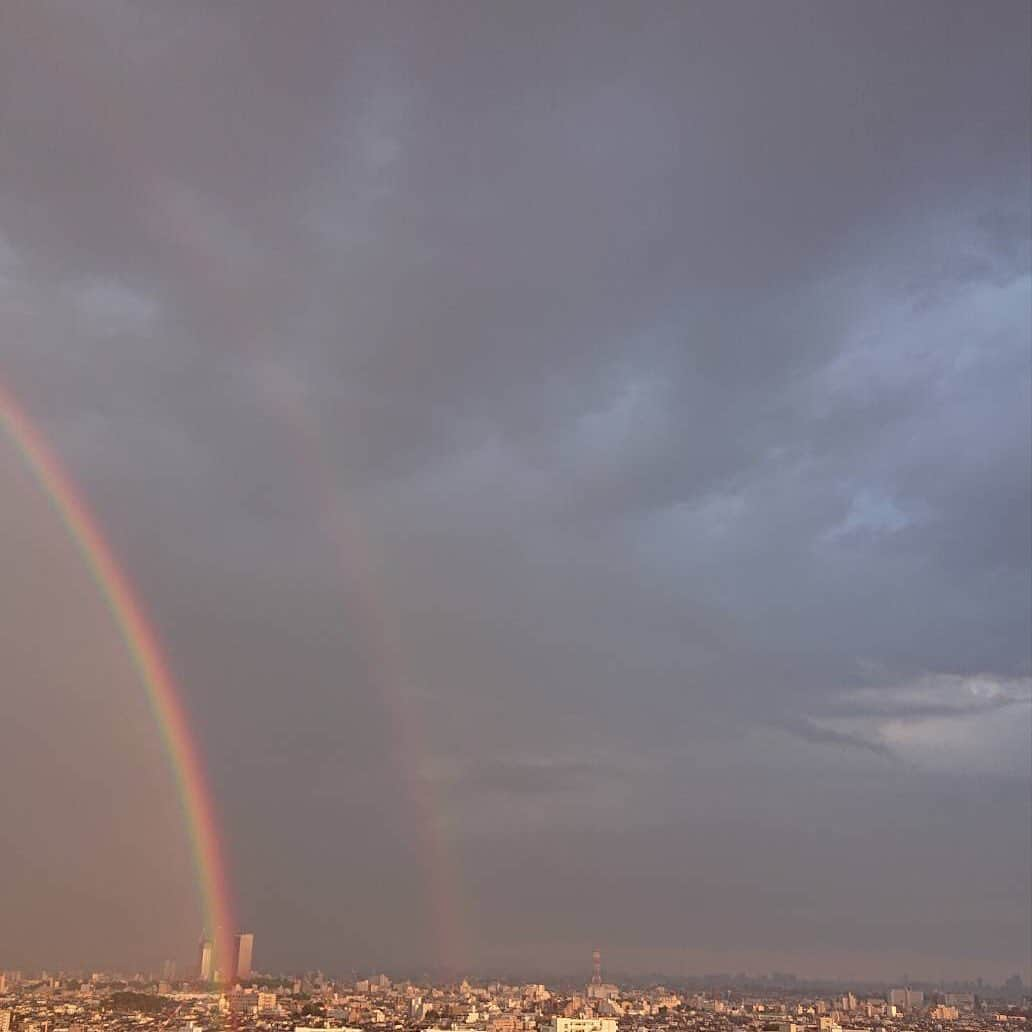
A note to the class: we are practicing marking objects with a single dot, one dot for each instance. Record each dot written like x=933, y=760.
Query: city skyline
x=485, y=482
x=315, y=1002
x=908, y=994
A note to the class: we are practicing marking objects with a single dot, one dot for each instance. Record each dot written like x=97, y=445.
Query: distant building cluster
x=101, y=1002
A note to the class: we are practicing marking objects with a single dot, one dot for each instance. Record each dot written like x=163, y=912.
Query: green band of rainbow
x=142, y=643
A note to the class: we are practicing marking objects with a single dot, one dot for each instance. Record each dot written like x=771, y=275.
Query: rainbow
x=142, y=643
x=204, y=265
x=354, y=557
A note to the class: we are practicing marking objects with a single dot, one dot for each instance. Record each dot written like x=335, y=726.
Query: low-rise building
x=563, y=1024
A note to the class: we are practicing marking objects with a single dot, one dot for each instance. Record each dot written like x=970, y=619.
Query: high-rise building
x=243, y=948
x=206, y=960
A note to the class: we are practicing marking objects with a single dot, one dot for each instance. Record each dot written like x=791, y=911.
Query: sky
x=577, y=460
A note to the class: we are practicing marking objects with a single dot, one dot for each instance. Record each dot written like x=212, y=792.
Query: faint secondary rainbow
x=354, y=557
x=151, y=665
x=219, y=277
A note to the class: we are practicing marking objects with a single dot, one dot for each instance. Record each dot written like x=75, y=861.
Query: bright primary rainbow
x=142, y=643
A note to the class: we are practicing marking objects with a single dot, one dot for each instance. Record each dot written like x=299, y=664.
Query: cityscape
x=210, y=999
x=515, y=515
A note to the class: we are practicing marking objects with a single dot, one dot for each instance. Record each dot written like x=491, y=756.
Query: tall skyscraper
x=206, y=960
x=243, y=947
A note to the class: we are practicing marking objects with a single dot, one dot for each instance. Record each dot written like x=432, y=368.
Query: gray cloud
x=515, y=423
x=811, y=731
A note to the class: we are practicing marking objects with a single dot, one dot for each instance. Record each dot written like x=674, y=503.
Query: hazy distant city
x=241, y=998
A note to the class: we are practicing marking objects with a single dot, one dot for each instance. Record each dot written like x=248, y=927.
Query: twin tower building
x=240, y=967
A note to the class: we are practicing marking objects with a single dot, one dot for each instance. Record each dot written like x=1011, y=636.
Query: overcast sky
x=577, y=458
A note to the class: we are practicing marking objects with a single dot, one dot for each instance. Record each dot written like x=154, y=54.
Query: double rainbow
x=153, y=669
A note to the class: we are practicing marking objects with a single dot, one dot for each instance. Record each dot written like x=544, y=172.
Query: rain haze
x=576, y=459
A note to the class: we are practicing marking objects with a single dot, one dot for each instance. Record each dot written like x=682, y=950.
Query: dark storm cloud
x=810, y=731
x=607, y=425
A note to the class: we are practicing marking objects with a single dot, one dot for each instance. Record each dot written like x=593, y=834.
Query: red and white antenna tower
x=596, y=967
